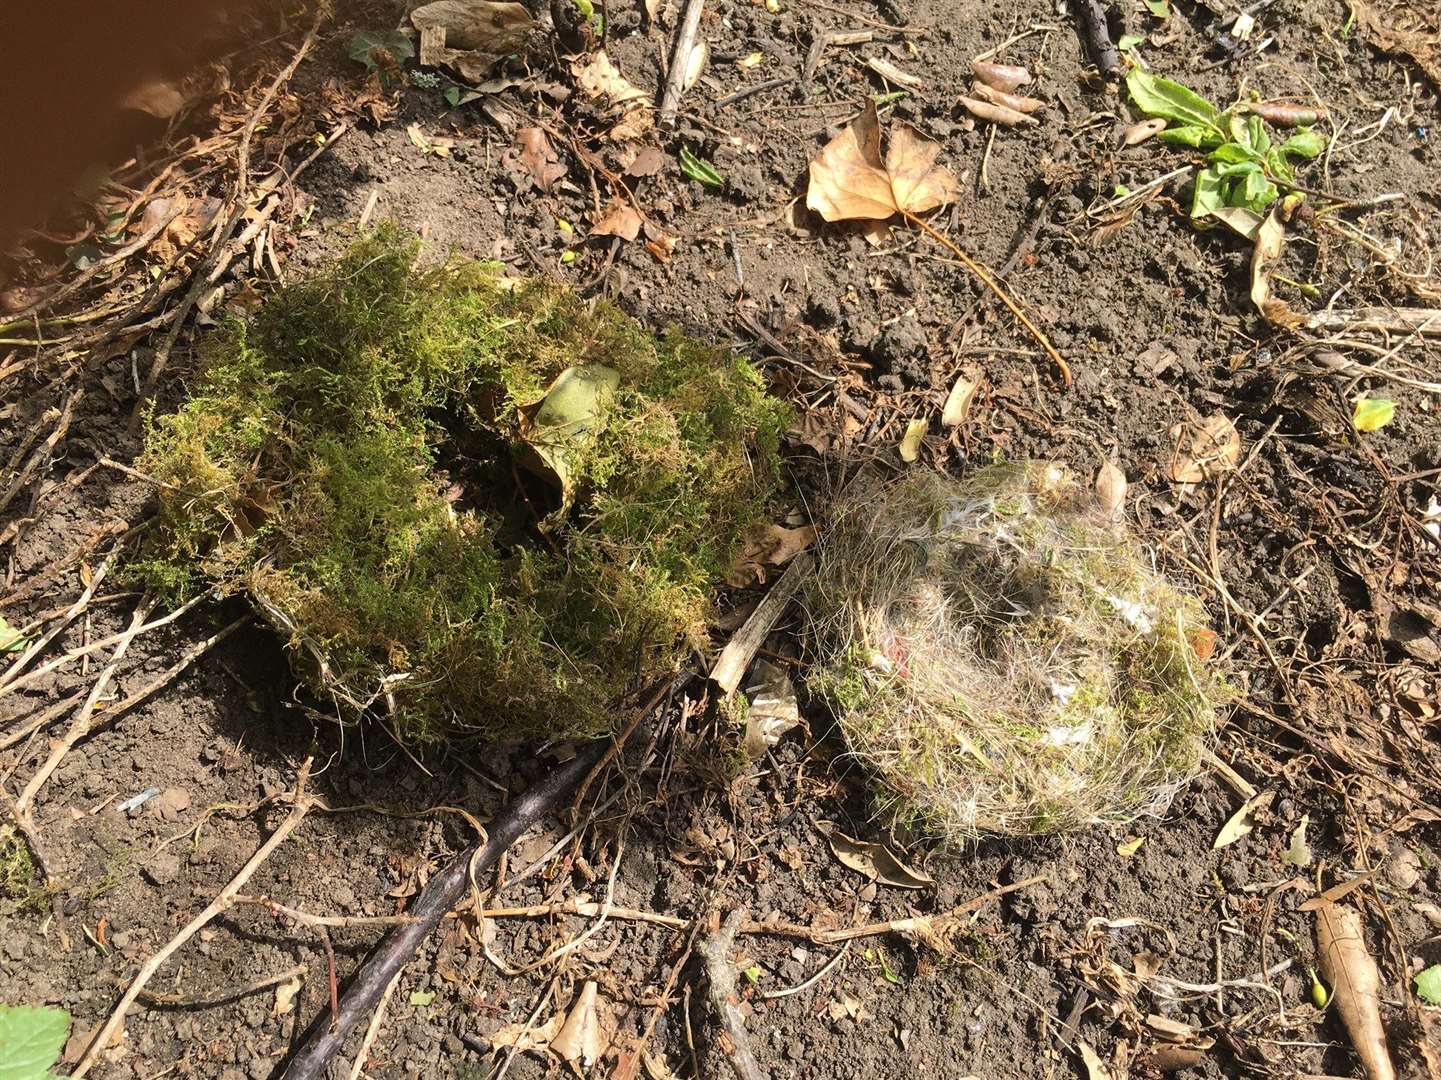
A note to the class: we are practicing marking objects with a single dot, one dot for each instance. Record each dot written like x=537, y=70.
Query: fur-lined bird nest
x=1002, y=658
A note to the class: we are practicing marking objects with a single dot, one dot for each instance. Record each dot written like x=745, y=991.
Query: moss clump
x=1003, y=659
x=366, y=459
x=18, y=891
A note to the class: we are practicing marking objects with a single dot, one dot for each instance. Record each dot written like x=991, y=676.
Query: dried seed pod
x=997, y=114
x=1284, y=114
x=1003, y=77
x=1146, y=129
x=1019, y=102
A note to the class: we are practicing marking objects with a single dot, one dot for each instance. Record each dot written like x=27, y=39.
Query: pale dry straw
x=1002, y=659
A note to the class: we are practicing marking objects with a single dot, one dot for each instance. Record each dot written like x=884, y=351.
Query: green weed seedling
x=1245, y=167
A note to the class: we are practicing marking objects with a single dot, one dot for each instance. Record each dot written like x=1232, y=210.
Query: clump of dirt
x=1004, y=659
x=352, y=460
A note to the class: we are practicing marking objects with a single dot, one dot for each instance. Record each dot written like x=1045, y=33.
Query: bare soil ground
x=1313, y=557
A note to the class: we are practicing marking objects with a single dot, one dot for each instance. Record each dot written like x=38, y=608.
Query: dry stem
x=301, y=804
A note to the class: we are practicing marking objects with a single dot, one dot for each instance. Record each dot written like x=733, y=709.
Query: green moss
x=18, y=891
x=355, y=460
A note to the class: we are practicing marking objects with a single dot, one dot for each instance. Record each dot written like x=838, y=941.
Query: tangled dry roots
x=1002, y=659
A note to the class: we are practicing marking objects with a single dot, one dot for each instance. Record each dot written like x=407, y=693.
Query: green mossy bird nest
x=1002, y=659
x=481, y=505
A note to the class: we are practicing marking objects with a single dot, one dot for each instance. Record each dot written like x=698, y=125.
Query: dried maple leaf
x=851, y=181
x=620, y=219
x=534, y=151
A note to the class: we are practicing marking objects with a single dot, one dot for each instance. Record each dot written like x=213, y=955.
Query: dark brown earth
x=1316, y=536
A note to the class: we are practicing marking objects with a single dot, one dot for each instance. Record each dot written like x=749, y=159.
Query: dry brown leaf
x=534, y=151
x=850, y=181
x=524, y=1036
x=597, y=77
x=488, y=26
x=620, y=219
x=1355, y=985
x=958, y=402
x=582, y=1039
x=1270, y=243
x=1003, y=77
x=1204, y=450
x=768, y=545
x=913, y=439
x=996, y=114
x=1095, y=1067
x=876, y=861
x=1239, y=823
x=1111, y=489
x=1018, y=102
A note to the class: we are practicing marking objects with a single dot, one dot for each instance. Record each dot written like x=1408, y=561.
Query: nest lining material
x=1003, y=659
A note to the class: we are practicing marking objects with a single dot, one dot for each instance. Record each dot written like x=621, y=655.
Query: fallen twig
x=358, y=1066
x=323, y=1040
x=300, y=806
x=730, y=667
x=219, y=997
x=685, y=40
x=1097, y=35
x=74, y=611
x=80, y=725
x=995, y=287
x=721, y=982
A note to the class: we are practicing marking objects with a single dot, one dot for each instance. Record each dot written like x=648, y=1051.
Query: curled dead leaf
x=1270, y=243
x=913, y=439
x=958, y=402
x=1355, y=983
x=996, y=114
x=1111, y=489
x=850, y=181
x=620, y=219
x=1204, y=450
x=1003, y=77
x=1146, y=129
x=1019, y=102
x=876, y=861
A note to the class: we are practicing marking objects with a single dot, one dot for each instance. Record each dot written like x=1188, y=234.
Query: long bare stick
x=721, y=989
x=80, y=726
x=680, y=61
x=995, y=287
x=96, y=646
x=65, y=620
x=301, y=805
x=323, y=1040
x=114, y=712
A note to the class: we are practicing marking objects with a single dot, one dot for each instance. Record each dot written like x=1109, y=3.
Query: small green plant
x=383, y=52
x=702, y=172
x=475, y=504
x=31, y=1038
x=1245, y=166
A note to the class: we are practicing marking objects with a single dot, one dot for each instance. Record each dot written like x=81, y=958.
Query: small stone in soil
x=171, y=803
